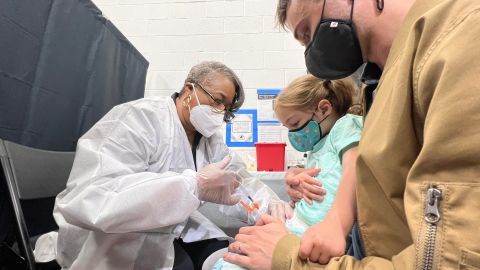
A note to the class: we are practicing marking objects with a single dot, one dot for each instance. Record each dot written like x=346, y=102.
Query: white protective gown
x=132, y=190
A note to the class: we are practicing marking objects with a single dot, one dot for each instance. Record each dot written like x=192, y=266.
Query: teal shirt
x=327, y=155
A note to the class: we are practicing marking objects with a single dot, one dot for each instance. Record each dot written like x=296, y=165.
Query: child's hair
x=305, y=92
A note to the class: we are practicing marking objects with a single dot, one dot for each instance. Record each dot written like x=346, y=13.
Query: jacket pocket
x=469, y=260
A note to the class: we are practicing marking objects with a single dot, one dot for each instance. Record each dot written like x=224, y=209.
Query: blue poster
x=242, y=130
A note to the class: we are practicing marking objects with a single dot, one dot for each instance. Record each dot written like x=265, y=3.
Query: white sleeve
x=110, y=189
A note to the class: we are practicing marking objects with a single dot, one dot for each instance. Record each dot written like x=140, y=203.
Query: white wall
x=176, y=34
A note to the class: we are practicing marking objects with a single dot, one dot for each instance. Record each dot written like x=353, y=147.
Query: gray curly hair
x=204, y=72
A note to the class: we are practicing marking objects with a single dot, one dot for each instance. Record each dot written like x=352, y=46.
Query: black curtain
x=62, y=67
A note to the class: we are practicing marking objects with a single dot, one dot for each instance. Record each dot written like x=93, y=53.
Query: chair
x=33, y=175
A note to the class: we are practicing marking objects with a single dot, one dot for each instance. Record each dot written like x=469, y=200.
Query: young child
x=315, y=113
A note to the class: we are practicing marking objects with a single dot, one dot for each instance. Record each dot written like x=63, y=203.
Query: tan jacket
x=421, y=143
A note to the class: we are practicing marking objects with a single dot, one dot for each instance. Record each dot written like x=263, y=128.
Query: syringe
x=249, y=206
x=245, y=192
x=252, y=207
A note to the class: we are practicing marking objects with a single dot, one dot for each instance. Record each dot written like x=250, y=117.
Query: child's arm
x=328, y=238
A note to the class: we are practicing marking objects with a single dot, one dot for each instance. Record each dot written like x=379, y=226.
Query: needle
x=244, y=190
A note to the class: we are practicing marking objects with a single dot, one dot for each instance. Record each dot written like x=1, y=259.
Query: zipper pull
x=434, y=195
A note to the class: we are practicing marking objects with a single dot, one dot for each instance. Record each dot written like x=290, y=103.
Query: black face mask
x=334, y=51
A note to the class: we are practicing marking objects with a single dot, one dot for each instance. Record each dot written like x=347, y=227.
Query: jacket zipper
x=432, y=217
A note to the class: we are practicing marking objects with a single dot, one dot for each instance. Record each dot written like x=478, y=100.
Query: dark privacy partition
x=62, y=67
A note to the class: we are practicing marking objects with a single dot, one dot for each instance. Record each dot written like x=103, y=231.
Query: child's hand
x=293, y=180
x=324, y=240
x=293, y=185
x=311, y=189
x=280, y=209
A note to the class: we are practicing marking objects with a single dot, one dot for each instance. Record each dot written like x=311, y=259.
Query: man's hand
x=255, y=244
x=302, y=184
x=324, y=240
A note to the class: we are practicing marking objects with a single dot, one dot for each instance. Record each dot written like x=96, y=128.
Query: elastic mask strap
x=320, y=127
x=321, y=120
x=324, y=119
x=323, y=9
x=194, y=91
x=351, y=11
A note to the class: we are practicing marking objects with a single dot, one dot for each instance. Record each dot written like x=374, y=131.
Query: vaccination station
x=239, y=134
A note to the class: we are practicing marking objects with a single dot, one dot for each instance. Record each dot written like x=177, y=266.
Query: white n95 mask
x=204, y=119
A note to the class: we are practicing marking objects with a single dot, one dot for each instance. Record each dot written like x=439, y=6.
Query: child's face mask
x=303, y=139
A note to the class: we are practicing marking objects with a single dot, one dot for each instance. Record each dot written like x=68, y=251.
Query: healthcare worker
x=140, y=174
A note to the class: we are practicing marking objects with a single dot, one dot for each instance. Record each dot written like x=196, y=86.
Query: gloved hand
x=216, y=184
x=280, y=209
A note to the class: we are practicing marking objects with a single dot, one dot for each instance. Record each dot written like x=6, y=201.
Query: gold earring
x=186, y=102
x=380, y=5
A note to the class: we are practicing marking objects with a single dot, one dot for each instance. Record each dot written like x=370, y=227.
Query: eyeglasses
x=218, y=106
